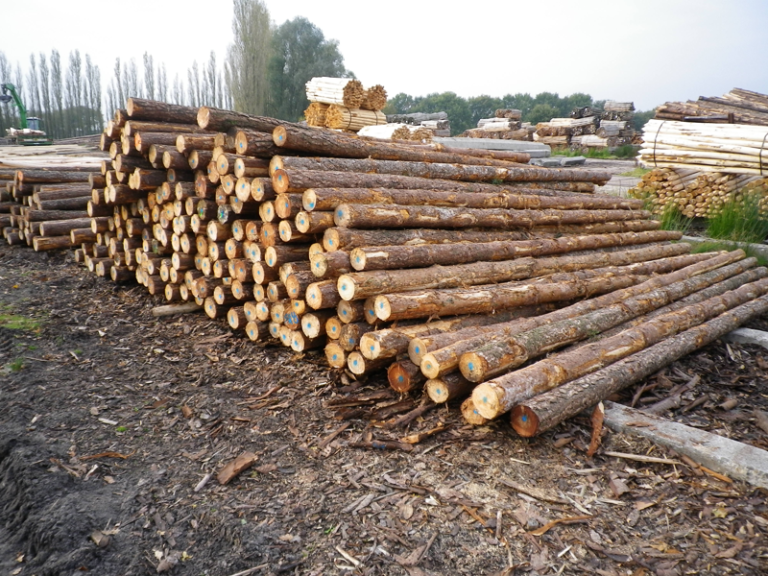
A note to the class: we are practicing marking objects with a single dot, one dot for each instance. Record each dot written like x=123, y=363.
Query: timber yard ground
x=111, y=418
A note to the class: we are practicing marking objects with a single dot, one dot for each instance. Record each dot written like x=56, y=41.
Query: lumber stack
x=505, y=125
x=436, y=123
x=589, y=128
x=344, y=104
x=406, y=132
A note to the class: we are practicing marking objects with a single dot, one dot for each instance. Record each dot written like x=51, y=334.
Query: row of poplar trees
x=264, y=73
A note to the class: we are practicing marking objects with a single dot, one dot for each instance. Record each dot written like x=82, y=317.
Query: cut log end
x=471, y=414
x=487, y=401
x=430, y=367
x=335, y=355
x=473, y=367
x=524, y=421
x=404, y=376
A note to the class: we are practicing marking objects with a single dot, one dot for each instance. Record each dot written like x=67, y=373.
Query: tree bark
x=360, y=285
x=301, y=180
x=546, y=410
x=497, y=396
x=26, y=176
x=397, y=216
x=519, y=199
x=395, y=257
x=218, y=120
x=187, y=143
x=133, y=126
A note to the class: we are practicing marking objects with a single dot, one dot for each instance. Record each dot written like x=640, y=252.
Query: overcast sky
x=648, y=51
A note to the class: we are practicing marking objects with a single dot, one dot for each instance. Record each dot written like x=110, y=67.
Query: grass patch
x=672, y=219
x=16, y=365
x=626, y=151
x=636, y=173
x=15, y=322
x=740, y=221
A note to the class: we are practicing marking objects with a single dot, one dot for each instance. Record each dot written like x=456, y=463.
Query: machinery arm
x=6, y=97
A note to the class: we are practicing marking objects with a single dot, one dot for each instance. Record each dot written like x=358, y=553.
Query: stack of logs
x=449, y=269
x=697, y=194
x=589, y=128
x=738, y=106
x=505, y=125
x=42, y=207
x=436, y=122
x=343, y=104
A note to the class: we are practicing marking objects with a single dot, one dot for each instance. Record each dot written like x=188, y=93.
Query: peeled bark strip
x=396, y=216
x=446, y=359
x=501, y=394
x=448, y=387
x=521, y=199
x=396, y=257
x=546, y=410
x=329, y=143
x=499, y=356
x=301, y=180
x=360, y=285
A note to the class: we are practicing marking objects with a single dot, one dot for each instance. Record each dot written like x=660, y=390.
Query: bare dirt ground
x=110, y=419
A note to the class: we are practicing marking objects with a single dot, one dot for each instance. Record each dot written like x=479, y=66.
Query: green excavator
x=30, y=133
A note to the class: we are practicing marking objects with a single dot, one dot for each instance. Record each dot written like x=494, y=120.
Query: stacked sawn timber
x=436, y=122
x=505, y=125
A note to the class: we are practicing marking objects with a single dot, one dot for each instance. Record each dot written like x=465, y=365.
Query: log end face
x=486, y=400
x=473, y=366
x=356, y=363
x=280, y=181
x=203, y=117
x=302, y=222
x=280, y=136
x=524, y=421
x=309, y=200
x=430, y=367
x=416, y=350
x=382, y=308
x=335, y=355
x=331, y=240
x=357, y=259
x=471, y=414
x=436, y=390
x=399, y=379
x=346, y=287
x=369, y=346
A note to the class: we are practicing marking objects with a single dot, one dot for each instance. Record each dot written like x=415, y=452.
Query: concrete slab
x=535, y=149
x=748, y=336
x=559, y=161
x=725, y=456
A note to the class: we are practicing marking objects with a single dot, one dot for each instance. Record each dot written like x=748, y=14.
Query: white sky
x=648, y=51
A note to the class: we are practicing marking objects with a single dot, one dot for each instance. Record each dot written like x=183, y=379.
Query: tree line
x=263, y=73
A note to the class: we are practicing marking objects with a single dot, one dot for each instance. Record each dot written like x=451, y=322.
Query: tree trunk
x=546, y=410
x=301, y=180
x=396, y=216
x=497, y=396
x=218, y=120
x=499, y=356
x=187, y=143
x=77, y=203
x=360, y=285
x=42, y=243
x=520, y=199
x=62, y=227
x=394, y=257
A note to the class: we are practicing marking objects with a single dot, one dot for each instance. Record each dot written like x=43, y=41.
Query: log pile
x=344, y=104
x=588, y=128
x=437, y=123
x=505, y=125
x=455, y=272
x=41, y=206
x=738, y=106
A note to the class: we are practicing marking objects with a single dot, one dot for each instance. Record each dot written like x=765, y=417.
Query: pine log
x=340, y=145
x=313, y=222
x=350, y=311
x=42, y=243
x=276, y=256
x=404, y=376
x=501, y=394
x=258, y=144
x=45, y=215
x=330, y=264
x=351, y=334
x=335, y=356
x=546, y=410
x=186, y=143
x=301, y=180
x=397, y=216
x=519, y=199
x=360, y=285
x=133, y=126
x=143, y=109
x=218, y=120
x=62, y=227
x=470, y=414
x=26, y=176
x=395, y=257
x=492, y=171
x=322, y=294
x=497, y=357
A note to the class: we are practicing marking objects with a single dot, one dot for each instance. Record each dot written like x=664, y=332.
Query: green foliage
x=640, y=119
x=740, y=221
x=636, y=173
x=672, y=219
x=17, y=365
x=542, y=113
x=14, y=322
x=121, y=429
x=299, y=53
